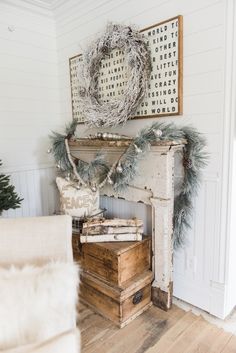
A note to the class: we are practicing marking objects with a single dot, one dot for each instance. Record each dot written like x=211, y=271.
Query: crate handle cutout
x=138, y=297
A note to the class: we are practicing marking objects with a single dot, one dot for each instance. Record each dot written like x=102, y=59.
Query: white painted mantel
x=153, y=186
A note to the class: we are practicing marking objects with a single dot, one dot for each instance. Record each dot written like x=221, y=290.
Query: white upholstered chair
x=37, y=241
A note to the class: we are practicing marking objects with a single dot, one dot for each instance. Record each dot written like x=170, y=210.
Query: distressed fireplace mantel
x=153, y=186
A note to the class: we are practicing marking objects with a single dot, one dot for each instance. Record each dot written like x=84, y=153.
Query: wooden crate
x=117, y=262
x=119, y=304
x=76, y=247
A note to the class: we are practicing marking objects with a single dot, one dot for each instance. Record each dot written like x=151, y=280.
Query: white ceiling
x=47, y=1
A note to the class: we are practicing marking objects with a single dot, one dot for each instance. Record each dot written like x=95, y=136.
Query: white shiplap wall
x=29, y=102
x=37, y=187
x=35, y=98
x=200, y=268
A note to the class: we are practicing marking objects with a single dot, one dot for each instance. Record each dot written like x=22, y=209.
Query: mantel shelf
x=85, y=142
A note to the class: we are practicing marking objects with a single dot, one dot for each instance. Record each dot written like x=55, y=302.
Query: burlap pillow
x=77, y=202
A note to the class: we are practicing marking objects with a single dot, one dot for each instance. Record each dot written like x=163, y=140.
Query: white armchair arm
x=38, y=241
x=35, y=240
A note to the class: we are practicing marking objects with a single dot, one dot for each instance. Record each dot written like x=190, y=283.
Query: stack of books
x=112, y=230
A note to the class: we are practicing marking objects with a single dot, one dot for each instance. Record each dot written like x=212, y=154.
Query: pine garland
x=8, y=197
x=123, y=172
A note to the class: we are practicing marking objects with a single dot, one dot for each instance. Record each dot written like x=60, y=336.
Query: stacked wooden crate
x=116, y=278
x=77, y=225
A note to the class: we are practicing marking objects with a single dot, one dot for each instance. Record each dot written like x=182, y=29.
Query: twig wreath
x=125, y=169
x=137, y=58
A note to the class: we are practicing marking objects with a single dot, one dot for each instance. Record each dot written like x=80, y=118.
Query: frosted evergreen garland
x=125, y=169
x=137, y=57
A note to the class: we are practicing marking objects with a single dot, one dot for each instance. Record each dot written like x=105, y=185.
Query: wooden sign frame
x=177, y=98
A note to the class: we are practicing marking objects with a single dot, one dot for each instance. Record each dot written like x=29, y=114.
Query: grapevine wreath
x=137, y=58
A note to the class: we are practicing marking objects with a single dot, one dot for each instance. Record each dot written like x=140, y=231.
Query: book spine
x=111, y=230
x=102, y=238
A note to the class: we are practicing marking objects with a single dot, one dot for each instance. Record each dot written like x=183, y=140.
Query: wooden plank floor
x=155, y=331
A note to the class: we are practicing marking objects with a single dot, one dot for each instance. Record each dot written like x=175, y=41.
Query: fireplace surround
x=155, y=186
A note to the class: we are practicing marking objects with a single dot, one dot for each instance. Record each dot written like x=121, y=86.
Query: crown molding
x=56, y=3
x=39, y=3
x=38, y=7
x=41, y=7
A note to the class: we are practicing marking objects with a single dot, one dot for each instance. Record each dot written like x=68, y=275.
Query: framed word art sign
x=165, y=92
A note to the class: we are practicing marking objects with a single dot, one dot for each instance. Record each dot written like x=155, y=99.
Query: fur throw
x=66, y=342
x=37, y=303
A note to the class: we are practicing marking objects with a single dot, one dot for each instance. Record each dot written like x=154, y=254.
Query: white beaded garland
x=110, y=181
x=137, y=149
x=94, y=188
x=119, y=168
x=158, y=133
x=67, y=177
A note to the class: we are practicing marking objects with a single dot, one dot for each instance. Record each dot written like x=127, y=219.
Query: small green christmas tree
x=8, y=196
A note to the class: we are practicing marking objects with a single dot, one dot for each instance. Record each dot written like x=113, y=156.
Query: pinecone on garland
x=8, y=196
